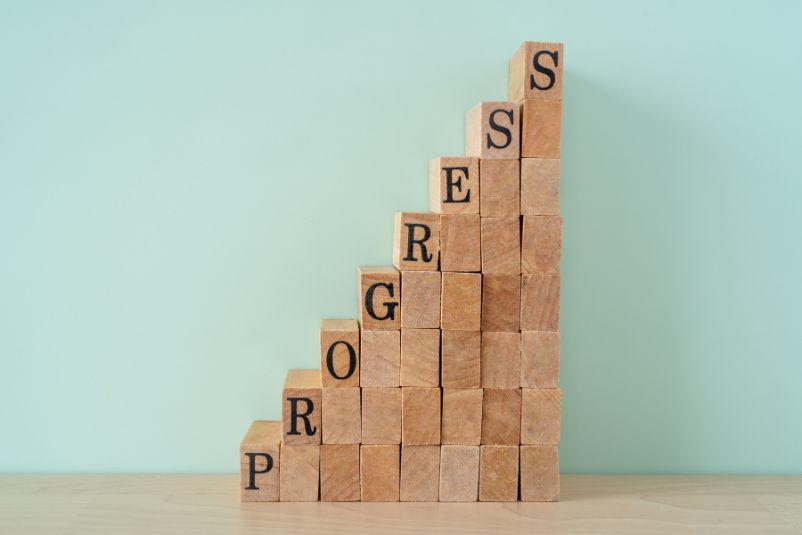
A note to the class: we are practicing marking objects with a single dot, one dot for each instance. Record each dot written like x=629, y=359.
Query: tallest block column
x=536, y=83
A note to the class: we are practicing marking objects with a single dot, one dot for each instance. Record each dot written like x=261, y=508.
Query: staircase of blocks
x=446, y=388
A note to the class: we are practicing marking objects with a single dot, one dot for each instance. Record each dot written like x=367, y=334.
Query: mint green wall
x=187, y=187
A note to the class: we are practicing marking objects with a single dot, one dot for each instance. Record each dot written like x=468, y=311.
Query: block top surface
x=339, y=325
x=303, y=379
x=262, y=433
x=378, y=269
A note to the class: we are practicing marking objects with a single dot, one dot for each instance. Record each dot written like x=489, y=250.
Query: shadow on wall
x=623, y=291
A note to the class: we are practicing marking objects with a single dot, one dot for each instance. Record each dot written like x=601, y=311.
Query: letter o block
x=339, y=353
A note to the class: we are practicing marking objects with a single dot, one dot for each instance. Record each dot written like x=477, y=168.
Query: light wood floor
x=595, y=505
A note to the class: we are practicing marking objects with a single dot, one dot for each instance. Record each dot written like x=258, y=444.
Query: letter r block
x=416, y=241
x=301, y=407
x=493, y=131
x=454, y=185
x=536, y=72
x=379, y=298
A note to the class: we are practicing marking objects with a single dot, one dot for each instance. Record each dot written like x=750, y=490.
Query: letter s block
x=259, y=462
x=493, y=131
x=416, y=241
x=301, y=402
x=379, y=298
x=536, y=72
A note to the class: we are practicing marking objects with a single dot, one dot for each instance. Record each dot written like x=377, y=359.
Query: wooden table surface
x=178, y=504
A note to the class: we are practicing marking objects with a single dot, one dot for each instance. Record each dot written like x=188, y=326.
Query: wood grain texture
x=540, y=302
x=299, y=475
x=380, y=469
x=420, y=293
x=459, y=473
x=501, y=245
x=498, y=474
x=527, y=82
x=541, y=244
x=208, y=504
x=460, y=243
x=501, y=303
x=540, y=359
x=379, y=297
x=461, y=302
x=461, y=359
x=501, y=360
x=420, y=357
x=381, y=358
x=420, y=416
x=542, y=126
x=502, y=142
x=541, y=409
x=501, y=187
x=339, y=473
x=462, y=416
x=381, y=416
x=420, y=473
x=454, y=185
x=416, y=241
x=501, y=416
x=342, y=416
x=339, y=352
x=260, y=451
x=303, y=393
x=540, y=186
x=540, y=474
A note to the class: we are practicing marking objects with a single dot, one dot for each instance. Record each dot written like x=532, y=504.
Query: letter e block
x=339, y=353
x=542, y=125
x=501, y=303
x=420, y=473
x=541, y=244
x=420, y=293
x=536, y=72
x=342, y=419
x=379, y=297
x=416, y=241
x=540, y=474
x=540, y=302
x=501, y=360
x=420, y=416
x=501, y=186
x=540, y=186
x=461, y=302
x=459, y=473
x=540, y=359
x=259, y=462
x=339, y=473
x=301, y=407
x=492, y=131
x=462, y=416
x=300, y=473
x=381, y=416
x=498, y=474
x=454, y=185
x=540, y=416
x=380, y=473
x=461, y=360
x=501, y=416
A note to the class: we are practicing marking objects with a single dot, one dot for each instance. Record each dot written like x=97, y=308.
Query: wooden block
x=259, y=462
x=540, y=186
x=501, y=187
x=536, y=72
x=416, y=241
x=459, y=473
x=541, y=244
x=501, y=302
x=339, y=353
x=540, y=359
x=379, y=297
x=461, y=302
x=540, y=474
x=301, y=407
x=501, y=246
x=420, y=357
x=342, y=416
x=542, y=123
x=460, y=243
x=493, y=130
x=501, y=416
x=461, y=364
x=462, y=416
x=420, y=473
x=420, y=416
x=540, y=416
x=381, y=416
x=454, y=185
x=381, y=358
x=540, y=302
x=420, y=293
x=300, y=473
x=498, y=474
x=501, y=360
x=380, y=473
x=339, y=473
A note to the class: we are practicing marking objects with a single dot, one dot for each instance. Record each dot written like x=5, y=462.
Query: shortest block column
x=259, y=462
x=540, y=474
x=459, y=473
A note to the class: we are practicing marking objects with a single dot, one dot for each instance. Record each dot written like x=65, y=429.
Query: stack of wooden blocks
x=446, y=389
